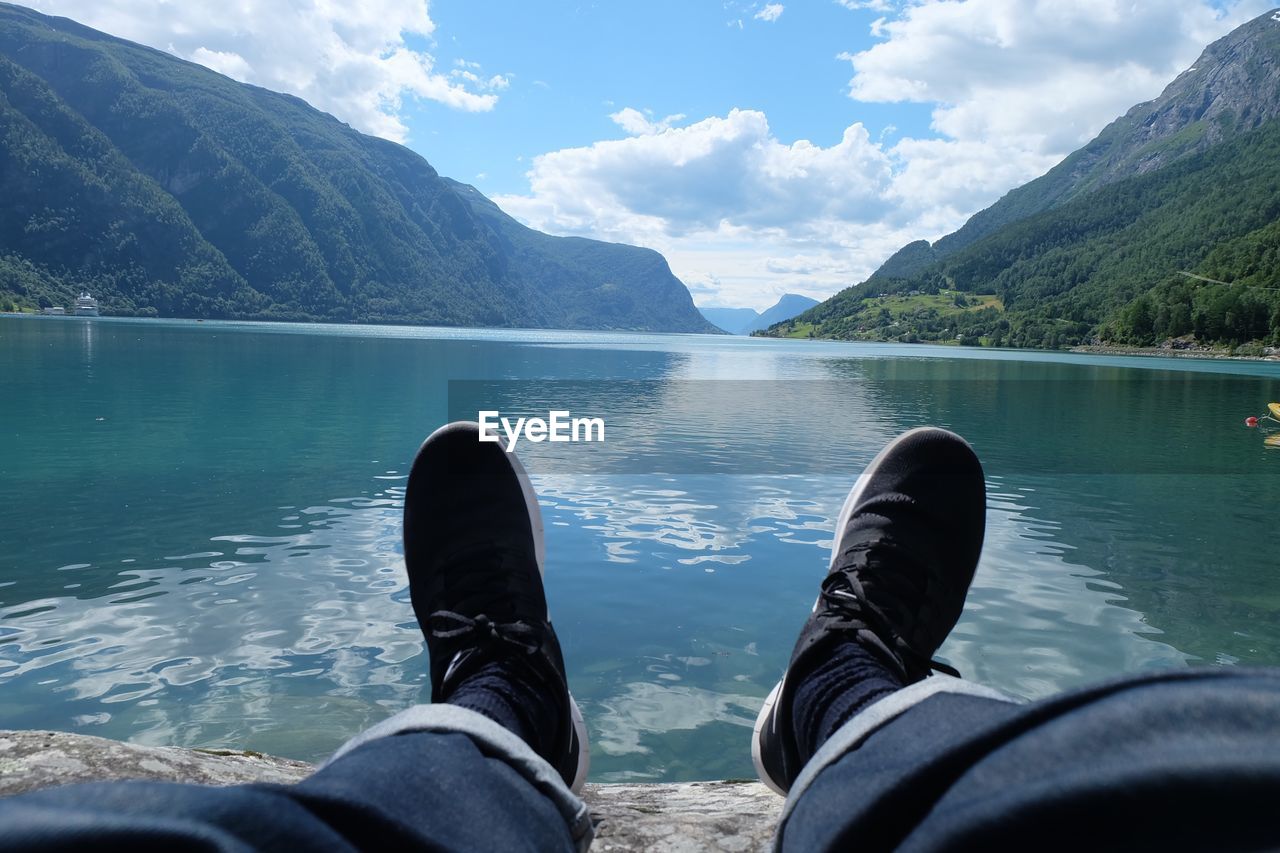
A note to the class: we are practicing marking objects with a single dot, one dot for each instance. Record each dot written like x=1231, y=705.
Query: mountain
x=907, y=261
x=165, y=188
x=1105, y=244
x=1231, y=89
x=745, y=321
x=785, y=308
x=732, y=320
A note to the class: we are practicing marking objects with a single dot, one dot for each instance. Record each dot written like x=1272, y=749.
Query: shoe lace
x=847, y=604
x=447, y=624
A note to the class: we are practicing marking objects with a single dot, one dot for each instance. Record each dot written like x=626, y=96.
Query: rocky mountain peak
x=1234, y=87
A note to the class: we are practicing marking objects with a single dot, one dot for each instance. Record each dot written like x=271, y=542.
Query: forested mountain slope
x=1099, y=246
x=163, y=187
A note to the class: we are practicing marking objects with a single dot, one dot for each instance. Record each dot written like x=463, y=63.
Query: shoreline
x=1198, y=352
x=138, y=318
x=1215, y=354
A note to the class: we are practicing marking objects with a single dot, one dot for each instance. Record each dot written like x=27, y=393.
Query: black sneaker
x=474, y=551
x=906, y=545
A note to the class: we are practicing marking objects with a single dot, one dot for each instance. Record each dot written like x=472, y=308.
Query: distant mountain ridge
x=788, y=306
x=745, y=321
x=1178, y=184
x=163, y=187
x=731, y=320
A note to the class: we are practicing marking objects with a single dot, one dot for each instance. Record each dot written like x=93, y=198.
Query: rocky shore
x=1181, y=348
x=729, y=815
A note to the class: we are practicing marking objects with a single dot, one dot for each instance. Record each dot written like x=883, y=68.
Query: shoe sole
x=540, y=554
x=765, y=717
x=584, y=747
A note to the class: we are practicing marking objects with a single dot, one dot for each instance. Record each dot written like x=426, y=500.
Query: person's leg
x=422, y=790
x=1188, y=759
x=877, y=755
x=490, y=764
x=905, y=548
x=474, y=552
x=877, y=776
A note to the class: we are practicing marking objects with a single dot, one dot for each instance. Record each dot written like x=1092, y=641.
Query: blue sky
x=572, y=64
x=762, y=147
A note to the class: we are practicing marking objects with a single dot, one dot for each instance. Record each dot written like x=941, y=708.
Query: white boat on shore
x=86, y=306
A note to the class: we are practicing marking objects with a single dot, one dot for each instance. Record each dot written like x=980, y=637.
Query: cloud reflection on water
x=292, y=642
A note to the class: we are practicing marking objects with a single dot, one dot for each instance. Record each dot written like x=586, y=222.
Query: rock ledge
x=735, y=816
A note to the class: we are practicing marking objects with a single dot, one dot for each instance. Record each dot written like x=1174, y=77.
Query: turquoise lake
x=200, y=522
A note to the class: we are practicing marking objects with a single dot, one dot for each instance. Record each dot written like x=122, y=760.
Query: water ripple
x=229, y=593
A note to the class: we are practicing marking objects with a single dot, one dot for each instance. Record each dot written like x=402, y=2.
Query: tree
x=1141, y=321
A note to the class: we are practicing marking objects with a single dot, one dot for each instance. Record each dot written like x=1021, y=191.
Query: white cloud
x=225, y=62
x=717, y=174
x=1040, y=76
x=1014, y=85
x=639, y=123
x=723, y=196
x=353, y=60
x=770, y=13
x=874, y=5
x=945, y=180
x=497, y=82
x=744, y=216
x=805, y=265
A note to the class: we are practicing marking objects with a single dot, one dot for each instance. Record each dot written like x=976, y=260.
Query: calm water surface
x=200, y=523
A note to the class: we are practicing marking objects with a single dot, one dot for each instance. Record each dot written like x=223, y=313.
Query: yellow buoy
x=1275, y=410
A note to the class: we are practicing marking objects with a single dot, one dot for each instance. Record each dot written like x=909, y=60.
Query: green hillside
x=1098, y=247
x=1233, y=88
x=1097, y=265
x=164, y=188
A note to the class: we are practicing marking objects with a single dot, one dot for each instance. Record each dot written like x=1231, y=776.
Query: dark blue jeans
x=435, y=777
x=1179, y=760
x=1182, y=760
x=422, y=791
